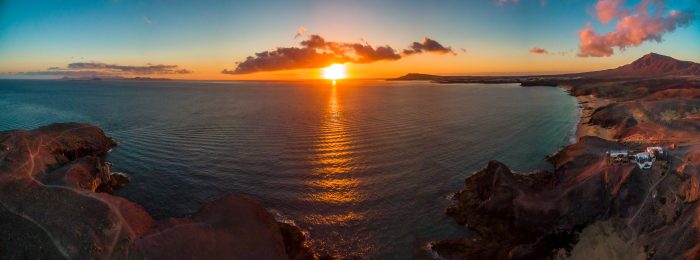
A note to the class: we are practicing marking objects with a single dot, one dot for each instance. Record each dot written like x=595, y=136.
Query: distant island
x=588, y=207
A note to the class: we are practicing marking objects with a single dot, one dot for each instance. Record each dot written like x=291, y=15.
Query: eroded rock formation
x=53, y=205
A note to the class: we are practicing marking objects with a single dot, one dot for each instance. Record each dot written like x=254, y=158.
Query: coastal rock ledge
x=55, y=203
x=585, y=209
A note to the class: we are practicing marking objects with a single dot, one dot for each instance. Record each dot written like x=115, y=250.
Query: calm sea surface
x=365, y=167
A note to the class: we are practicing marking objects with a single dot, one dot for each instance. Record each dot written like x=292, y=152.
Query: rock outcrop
x=542, y=214
x=54, y=203
x=588, y=208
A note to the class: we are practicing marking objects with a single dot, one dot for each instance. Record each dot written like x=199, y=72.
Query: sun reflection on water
x=333, y=187
x=334, y=182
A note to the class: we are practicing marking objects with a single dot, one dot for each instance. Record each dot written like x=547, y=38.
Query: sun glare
x=334, y=72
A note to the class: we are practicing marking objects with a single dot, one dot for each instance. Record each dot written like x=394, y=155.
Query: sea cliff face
x=588, y=208
x=54, y=203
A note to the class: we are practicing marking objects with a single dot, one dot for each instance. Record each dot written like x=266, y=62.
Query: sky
x=212, y=40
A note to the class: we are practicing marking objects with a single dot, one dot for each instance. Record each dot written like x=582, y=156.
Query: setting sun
x=334, y=72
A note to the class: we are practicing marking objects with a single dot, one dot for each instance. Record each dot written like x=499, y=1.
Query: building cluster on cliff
x=644, y=159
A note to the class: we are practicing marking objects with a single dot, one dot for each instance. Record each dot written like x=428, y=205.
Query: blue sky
x=208, y=36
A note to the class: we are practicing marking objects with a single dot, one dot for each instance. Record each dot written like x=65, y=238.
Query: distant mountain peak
x=655, y=57
x=651, y=65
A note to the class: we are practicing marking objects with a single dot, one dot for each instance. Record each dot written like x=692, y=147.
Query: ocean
x=365, y=167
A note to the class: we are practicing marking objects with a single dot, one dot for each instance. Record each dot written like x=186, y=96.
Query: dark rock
x=294, y=242
x=230, y=226
x=49, y=208
x=542, y=214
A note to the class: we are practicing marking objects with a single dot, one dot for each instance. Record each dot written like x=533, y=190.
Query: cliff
x=585, y=209
x=55, y=203
x=588, y=208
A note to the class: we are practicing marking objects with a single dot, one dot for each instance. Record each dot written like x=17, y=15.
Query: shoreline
x=587, y=106
x=582, y=208
x=574, y=134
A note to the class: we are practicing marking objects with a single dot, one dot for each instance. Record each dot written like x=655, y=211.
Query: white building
x=645, y=160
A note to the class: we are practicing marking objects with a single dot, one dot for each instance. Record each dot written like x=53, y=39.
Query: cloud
x=97, y=69
x=536, y=50
x=284, y=59
x=82, y=73
x=633, y=27
x=607, y=10
x=317, y=52
x=300, y=32
x=543, y=51
x=368, y=54
x=428, y=45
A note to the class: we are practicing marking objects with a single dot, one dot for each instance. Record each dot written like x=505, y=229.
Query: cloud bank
x=317, y=52
x=98, y=69
x=648, y=21
x=142, y=70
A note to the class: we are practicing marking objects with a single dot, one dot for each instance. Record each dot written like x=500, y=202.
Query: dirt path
x=648, y=194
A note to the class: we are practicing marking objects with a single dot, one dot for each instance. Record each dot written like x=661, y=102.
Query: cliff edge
x=55, y=203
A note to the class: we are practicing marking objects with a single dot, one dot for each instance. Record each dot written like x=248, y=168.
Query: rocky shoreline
x=55, y=202
x=586, y=208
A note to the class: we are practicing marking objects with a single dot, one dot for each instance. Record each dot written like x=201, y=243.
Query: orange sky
x=462, y=64
x=488, y=38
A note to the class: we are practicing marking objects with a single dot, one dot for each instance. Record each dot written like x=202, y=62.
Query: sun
x=334, y=72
